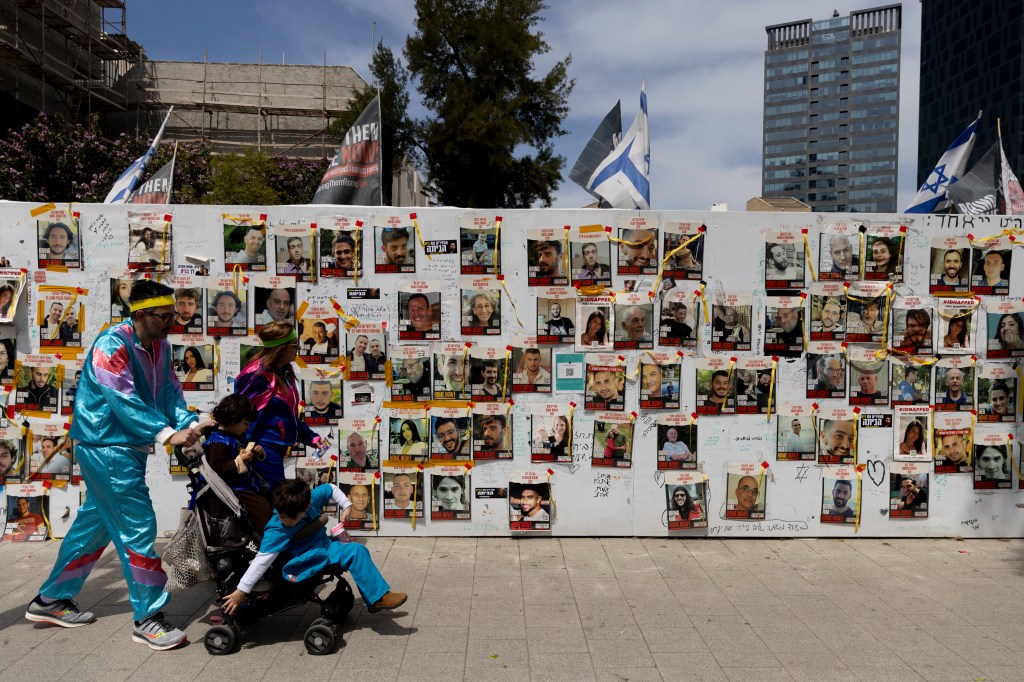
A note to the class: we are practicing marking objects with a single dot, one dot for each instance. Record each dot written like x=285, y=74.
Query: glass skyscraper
x=831, y=111
x=971, y=60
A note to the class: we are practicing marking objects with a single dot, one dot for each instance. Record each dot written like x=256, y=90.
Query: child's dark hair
x=291, y=497
x=234, y=409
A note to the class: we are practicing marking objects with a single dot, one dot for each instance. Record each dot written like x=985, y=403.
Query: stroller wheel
x=320, y=639
x=221, y=640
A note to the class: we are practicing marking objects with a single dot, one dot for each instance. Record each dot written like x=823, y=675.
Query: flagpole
x=174, y=158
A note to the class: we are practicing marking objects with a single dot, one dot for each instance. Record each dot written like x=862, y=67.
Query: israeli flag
x=623, y=179
x=932, y=195
x=131, y=176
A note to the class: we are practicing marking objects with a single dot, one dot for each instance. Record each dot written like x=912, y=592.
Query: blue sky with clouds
x=703, y=63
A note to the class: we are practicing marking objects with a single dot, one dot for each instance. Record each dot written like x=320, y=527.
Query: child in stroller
x=308, y=554
x=228, y=545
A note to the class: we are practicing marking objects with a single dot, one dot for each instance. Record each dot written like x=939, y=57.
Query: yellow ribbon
x=568, y=447
x=807, y=251
x=669, y=255
x=415, y=488
x=856, y=522
x=732, y=363
x=565, y=251
x=508, y=295
x=497, y=246
x=355, y=262
x=312, y=254
x=1020, y=389
x=864, y=256
x=163, y=245
x=704, y=300
x=771, y=390
x=970, y=443
x=237, y=277
x=1013, y=460
x=373, y=496
x=504, y=375
x=416, y=224
x=551, y=496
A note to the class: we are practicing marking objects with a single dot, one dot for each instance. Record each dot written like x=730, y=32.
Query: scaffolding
x=66, y=56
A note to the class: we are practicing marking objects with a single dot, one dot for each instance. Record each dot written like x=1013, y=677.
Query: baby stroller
x=217, y=542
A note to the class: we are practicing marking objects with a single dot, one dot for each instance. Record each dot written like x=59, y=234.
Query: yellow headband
x=155, y=302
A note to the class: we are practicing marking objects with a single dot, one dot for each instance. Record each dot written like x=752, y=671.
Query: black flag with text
x=353, y=178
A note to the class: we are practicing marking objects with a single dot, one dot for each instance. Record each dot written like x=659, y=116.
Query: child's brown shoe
x=391, y=600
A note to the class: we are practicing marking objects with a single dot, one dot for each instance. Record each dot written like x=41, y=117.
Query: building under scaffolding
x=273, y=108
x=66, y=57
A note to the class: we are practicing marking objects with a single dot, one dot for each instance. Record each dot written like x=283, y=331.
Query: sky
x=702, y=62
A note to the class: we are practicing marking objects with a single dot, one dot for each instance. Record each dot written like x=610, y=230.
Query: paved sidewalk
x=615, y=609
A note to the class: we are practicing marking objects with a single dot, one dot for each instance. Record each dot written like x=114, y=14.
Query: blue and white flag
x=932, y=195
x=623, y=179
x=131, y=176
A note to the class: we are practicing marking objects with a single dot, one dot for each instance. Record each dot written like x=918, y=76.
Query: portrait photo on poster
x=396, y=249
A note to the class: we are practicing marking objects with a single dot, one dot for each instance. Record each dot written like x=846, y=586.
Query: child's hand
x=233, y=601
x=259, y=452
x=345, y=513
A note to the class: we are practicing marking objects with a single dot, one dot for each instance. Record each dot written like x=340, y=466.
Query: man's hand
x=186, y=437
x=233, y=601
x=206, y=428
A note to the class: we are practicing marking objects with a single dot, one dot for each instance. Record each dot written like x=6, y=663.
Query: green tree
x=489, y=141
x=241, y=179
x=396, y=135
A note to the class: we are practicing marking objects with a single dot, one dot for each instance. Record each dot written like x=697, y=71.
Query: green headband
x=280, y=342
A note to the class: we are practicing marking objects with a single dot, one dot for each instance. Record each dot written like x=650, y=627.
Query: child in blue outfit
x=295, y=507
x=233, y=462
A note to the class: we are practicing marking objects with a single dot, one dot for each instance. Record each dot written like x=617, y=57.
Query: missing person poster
x=529, y=501
x=867, y=311
x=826, y=370
x=1005, y=337
x=404, y=492
x=684, y=262
x=410, y=373
x=954, y=384
x=839, y=495
x=869, y=377
x=546, y=260
x=685, y=496
x=590, y=256
x=341, y=240
x=716, y=390
x=679, y=319
x=997, y=393
x=395, y=245
x=913, y=324
x=612, y=440
x=949, y=273
x=910, y=433
x=451, y=430
x=828, y=311
x=481, y=306
x=408, y=431
x=478, y=245
x=784, y=326
x=990, y=270
x=492, y=431
x=660, y=380
x=366, y=352
x=908, y=490
x=731, y=322
x=883, y=252
x=363, y=490
x=910, y=382
x=839, y=256
x=550, y=432
x=27, y=511
x=245, y=242
x=795, y=433
x=754, y=385
x=677, y=441
x=556, y=314
x=993, y=449
x=450, y=493
x=954, y=435
x=634, y=322
x=151, y=237
x=784, y=261
x=746, y=491
x=531, y=366
x=638, y=245
x=419, y=310
x=605, y=382
x=837, y=435
x=451, y=371
x=295, y=255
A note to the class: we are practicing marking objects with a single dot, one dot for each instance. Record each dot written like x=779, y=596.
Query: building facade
x=831, y=111
x=971, y=60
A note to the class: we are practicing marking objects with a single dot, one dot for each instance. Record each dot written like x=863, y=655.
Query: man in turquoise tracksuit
x=128, y=399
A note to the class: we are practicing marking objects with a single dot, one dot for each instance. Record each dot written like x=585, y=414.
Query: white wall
x=635, y=503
